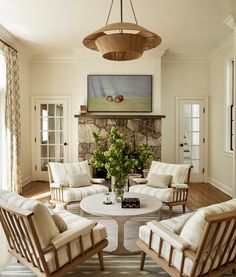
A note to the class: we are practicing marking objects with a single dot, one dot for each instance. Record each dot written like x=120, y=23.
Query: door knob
x=65, y=143
x=181, y=144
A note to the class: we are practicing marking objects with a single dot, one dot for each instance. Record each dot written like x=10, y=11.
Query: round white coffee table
x=94, y=205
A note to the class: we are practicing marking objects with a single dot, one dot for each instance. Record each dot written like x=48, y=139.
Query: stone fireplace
x=136, y=129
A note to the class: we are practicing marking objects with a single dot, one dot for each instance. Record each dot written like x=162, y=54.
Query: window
x=2, y=109
x=230, y=106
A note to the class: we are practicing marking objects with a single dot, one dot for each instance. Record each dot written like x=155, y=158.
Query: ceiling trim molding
x=223, y=45
x=184, y=57
x=15, y=43
x=81, y=53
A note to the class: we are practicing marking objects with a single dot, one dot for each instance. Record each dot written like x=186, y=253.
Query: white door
x=50, y=135
x=191, y=141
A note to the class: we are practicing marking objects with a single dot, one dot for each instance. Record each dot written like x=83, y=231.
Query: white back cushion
x=179, y=172
x=193, y=230
x=43, y=222
x=58, y=171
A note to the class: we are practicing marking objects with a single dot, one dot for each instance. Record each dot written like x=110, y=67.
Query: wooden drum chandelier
x=122, y=41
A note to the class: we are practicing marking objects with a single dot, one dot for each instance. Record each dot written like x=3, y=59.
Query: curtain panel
x=12, y=135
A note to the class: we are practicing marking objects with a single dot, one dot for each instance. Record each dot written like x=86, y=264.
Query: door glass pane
x=187, y=125
x=61, y=138
x=44, y=163
x=195, y=152
x=195, y=138
x=187, y=161
x=195, y=110
x=51, y=139
x=51, y=109
x=187, y=110
x=195, y=126
x=187, y=139
x=51, y=124
x=44, y=152
x=51, y=151
x=44, y=137
x=195, y=164
x=59, y=110
x=43, y=110
x=59, y=124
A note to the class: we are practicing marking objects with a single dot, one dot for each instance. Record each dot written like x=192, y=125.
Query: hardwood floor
x=200, y=194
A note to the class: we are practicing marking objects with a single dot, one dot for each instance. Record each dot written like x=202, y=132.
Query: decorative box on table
x=130, y=203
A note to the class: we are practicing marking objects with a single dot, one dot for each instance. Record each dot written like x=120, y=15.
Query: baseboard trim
x=220, y=186
x=27, y=180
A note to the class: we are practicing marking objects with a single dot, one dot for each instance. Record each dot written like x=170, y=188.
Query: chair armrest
x=166, y=234
x=179, y=186
x=140, y=180
x=57, y=186
x=97, y=180
x=72, y=234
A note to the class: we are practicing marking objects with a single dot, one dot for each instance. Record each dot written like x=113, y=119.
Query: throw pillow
x=158, y=180
x=78, y=180
x=59, y=221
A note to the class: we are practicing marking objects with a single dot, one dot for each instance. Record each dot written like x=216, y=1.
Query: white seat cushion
x=77, y=194
x=164, y=195
x=99, y=232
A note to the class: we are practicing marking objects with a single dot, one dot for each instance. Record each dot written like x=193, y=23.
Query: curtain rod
x=8, y=44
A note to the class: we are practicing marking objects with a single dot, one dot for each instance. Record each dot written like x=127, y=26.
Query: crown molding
x=84, y=53
x=223, y=45
x=185, y=57
x=15, y=43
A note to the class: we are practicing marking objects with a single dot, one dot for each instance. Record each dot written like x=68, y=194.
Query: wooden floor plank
x=200, y=194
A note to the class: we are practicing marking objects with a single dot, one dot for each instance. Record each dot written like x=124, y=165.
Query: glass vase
x=118, y=186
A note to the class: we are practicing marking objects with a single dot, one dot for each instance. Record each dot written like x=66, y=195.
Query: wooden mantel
x=136, y=116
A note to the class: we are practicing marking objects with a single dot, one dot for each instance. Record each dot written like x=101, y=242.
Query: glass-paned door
x=191, y=136
x=51, y=135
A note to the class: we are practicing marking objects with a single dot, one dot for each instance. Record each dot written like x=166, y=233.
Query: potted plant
x=118, y=158
x=115, y=155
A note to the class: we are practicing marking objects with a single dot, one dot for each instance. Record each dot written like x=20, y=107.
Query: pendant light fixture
x=122, y=41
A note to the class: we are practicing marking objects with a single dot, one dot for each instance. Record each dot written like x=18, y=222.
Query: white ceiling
x=57, y=27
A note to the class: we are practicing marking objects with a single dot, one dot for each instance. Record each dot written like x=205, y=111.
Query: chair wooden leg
x=143, y=255
x=170, y=211
x=234, y=271
x=100, y=258
x=184, y=209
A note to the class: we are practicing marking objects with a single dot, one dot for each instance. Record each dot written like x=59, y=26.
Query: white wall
x=70, y=78
x=220, y=163
x=180, y=78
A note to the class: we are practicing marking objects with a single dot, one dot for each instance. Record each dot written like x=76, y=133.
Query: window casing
x=230, y=106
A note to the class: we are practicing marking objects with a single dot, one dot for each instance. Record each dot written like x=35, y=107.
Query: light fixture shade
x=115, y=43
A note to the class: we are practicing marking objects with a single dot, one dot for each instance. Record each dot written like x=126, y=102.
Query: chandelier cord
x=136, y=21
x=109, y=11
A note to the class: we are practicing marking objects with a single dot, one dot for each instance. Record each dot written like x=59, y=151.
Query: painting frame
x=119, y=93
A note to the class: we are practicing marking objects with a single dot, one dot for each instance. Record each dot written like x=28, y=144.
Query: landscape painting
x=119, y=93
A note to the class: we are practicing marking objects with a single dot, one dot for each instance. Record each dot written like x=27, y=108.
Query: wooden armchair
x=196, y=244
x=167, y=182
x=34, y=238
x=71, y=182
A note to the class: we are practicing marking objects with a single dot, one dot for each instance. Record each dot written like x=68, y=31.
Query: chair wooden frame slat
x=217, y=230
x=24, y=243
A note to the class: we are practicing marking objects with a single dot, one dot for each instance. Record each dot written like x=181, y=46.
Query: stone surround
x=136, y=129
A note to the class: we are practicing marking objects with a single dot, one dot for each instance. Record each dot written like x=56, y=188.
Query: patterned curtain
x=12, y=123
